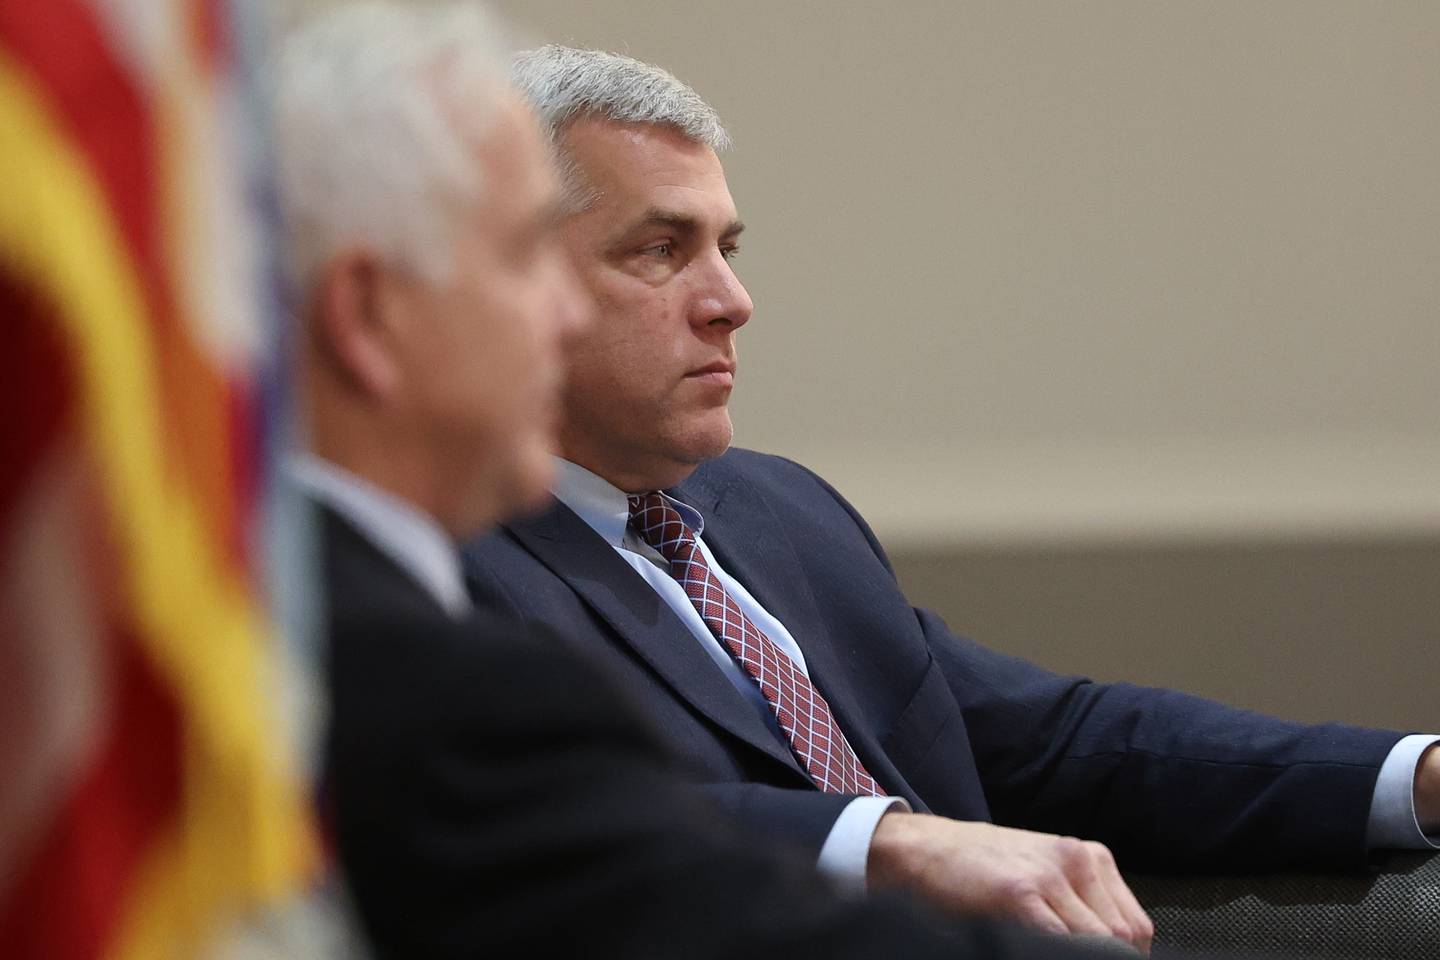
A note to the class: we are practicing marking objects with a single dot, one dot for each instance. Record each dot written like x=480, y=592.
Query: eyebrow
x=681, y=223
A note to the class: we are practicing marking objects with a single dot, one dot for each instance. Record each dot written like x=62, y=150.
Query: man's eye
x=659, y=249
x=730, y=253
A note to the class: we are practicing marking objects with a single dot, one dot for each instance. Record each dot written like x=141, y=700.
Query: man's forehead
x=642, y=172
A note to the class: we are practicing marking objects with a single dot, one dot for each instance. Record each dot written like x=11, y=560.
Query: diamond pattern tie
x=803, y=713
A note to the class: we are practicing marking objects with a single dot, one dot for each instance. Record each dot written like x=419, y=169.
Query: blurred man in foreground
x=755, y=614
x=491, y=795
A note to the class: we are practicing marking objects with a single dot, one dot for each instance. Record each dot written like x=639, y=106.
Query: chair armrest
x=1391, y=914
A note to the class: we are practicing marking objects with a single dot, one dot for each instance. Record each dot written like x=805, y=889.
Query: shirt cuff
x=846, y=850
x=1393, y=824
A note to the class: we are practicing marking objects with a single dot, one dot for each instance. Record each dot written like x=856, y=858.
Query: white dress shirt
x=1392, y=824
x=399, y=529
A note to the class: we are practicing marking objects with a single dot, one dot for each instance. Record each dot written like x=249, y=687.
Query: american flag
x=148, y=796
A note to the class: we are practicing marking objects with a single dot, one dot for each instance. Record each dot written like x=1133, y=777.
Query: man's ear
x=351, y=322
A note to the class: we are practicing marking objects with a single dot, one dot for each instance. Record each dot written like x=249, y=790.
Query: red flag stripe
x=34, y=378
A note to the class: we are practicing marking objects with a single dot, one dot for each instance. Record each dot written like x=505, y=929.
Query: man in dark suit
x=756, y=616
x=491, y=794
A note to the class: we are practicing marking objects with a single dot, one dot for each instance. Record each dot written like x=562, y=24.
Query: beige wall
x=1317, y=629
x=1039, y=270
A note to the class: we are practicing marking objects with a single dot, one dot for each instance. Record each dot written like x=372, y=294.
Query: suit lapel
x=749, y=541
x=605, y=582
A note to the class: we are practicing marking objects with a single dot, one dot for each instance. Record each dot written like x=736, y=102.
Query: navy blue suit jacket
x=1169, y=781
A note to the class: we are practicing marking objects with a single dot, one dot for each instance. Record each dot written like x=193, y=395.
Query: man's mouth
x=719, y=373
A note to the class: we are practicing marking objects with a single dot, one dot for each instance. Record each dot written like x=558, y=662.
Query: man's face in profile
x=648, y=386
x=485, y=360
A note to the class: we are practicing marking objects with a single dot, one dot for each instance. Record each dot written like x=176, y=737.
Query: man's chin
x=711, y=451
x=714, y=446
x=709, y=439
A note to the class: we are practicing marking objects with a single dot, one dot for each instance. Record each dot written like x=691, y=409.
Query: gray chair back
x=1392, y=914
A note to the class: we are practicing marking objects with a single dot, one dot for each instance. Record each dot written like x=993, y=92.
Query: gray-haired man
x=756, y=616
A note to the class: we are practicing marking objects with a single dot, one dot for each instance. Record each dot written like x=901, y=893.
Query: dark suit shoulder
x=775, y=479
x=740, y=463
x=395, y=676
x=808, y=506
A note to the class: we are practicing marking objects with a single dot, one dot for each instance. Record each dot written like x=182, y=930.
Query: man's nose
x=722, y=297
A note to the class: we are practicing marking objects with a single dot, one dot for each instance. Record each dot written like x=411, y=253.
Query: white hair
x=379, y=108
x=565, y=84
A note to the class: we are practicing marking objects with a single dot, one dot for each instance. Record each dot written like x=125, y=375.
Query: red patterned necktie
x=803, y=713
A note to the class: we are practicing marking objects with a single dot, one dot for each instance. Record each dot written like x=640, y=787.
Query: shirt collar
x=604, y=506
x=403, y=532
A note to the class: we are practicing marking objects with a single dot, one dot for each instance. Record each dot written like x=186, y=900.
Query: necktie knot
x=658, y=523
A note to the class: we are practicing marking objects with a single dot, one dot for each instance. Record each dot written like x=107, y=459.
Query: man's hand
x=1058, y=884
x=1427, y=791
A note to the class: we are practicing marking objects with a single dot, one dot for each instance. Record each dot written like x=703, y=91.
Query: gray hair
x=565, y=84
x=379, y=108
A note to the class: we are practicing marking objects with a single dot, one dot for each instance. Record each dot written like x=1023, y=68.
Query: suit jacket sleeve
x=1167, y=780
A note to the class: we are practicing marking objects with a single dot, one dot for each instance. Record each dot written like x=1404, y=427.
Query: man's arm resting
x=1170, y=782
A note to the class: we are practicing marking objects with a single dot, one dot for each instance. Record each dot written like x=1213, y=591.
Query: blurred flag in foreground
x=148, y=799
